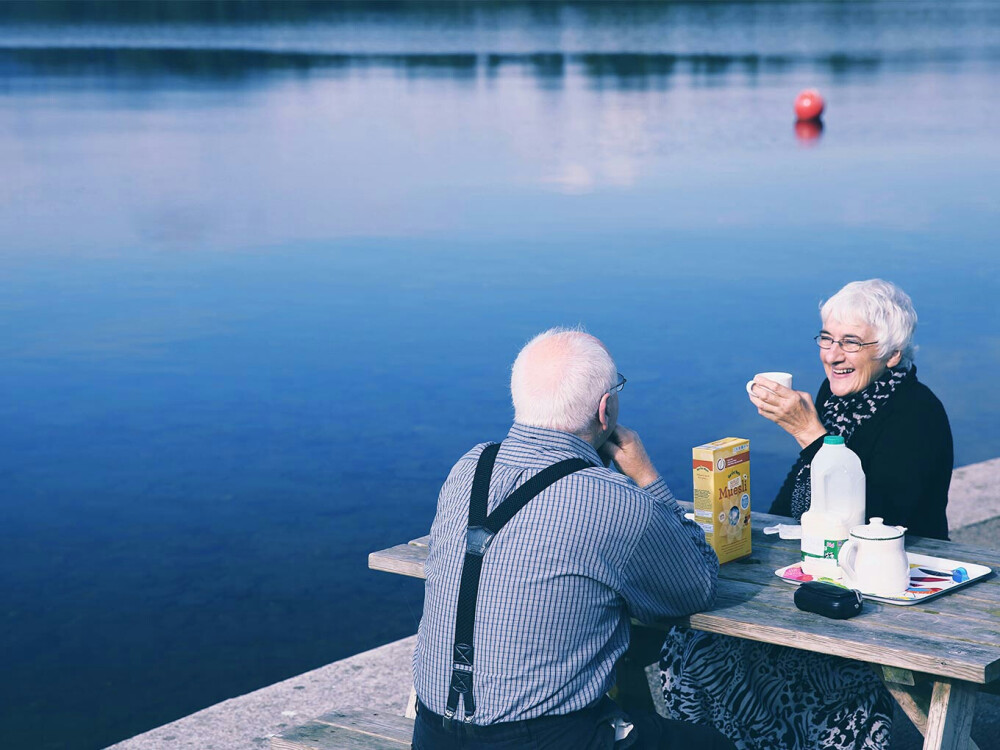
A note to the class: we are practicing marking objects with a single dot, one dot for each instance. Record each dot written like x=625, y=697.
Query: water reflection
x=546, y=67
x=595, y=25
x=627, y=45
x=808, y=131
x=228, y=67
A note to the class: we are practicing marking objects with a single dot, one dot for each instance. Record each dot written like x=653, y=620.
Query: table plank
x=403, y=559
x=746, y=611
x=954, y=636
x=915, y=620
x=979, y=601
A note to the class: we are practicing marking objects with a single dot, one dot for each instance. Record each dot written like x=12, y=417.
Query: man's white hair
x=558, y=379
x=883, y=306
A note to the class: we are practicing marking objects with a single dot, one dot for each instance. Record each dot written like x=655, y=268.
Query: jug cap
x=875, y=529
x=833, y=440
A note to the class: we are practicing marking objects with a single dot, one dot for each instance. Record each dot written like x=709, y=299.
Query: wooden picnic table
x=934, y=656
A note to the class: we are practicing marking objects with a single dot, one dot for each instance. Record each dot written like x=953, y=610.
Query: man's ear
x=602, y=412
x=894, y=359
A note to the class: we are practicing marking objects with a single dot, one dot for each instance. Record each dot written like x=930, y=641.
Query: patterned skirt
x=766, y=697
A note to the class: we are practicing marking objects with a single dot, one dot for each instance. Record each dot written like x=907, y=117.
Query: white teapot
x=874, y=559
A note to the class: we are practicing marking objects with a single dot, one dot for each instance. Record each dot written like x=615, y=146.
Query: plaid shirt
x=559, y=580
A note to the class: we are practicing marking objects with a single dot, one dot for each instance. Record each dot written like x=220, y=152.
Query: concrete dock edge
x=377, y=680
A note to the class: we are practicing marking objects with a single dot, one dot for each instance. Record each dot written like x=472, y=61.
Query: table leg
x=949, y=718
x=915, y=694
x=411, y=705
x=915, y=702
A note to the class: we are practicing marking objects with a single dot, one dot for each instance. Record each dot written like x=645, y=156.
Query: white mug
x=782, y=378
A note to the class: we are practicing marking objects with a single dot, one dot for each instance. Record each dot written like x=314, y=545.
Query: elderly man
x=538, y=556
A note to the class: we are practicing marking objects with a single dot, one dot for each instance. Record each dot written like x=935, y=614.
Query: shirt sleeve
x=672, y=571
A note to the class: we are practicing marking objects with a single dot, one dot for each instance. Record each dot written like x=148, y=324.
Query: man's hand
x=793, y=411
x=624, y=447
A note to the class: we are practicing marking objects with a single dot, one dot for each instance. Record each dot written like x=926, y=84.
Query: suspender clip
x=478, y=540
x=461, y=681
x=462, y=654
x=461, y=685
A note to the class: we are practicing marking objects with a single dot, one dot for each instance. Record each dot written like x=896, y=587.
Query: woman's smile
x=850, y=372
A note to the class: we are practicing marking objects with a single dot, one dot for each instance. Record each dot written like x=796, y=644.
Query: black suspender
x=482, y=529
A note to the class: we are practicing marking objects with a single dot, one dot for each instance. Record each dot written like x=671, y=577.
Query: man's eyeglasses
x=616, y=388
x=848, y=344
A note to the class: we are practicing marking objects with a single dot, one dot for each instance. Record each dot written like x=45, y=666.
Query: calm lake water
x=264, y=270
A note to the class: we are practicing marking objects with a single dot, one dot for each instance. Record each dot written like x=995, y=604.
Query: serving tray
x=929, y=577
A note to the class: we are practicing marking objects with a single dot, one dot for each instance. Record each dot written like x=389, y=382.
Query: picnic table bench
x=934, y=656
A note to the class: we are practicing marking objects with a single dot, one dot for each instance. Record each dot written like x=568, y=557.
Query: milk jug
x=837, y=505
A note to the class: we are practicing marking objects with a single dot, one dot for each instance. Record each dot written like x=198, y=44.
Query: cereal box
x=722, y=495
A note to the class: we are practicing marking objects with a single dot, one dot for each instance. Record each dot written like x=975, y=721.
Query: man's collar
x=549, y=440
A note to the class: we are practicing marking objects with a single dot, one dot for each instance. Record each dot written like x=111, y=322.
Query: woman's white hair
x=883, y=306
x=558, y=379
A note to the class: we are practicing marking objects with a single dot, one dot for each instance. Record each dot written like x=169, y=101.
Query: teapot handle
x=845, y=559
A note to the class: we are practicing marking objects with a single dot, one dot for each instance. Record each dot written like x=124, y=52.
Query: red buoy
x=809, y=105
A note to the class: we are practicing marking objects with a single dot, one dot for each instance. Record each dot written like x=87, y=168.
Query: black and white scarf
x=842, y=416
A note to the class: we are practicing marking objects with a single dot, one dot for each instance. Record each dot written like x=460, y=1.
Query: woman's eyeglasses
x=847, y=344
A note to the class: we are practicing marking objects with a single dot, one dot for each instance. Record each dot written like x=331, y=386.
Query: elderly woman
x=764, y=696
x=871, y=398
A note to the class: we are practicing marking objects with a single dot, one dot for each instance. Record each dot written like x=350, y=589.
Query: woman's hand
x=793, y=411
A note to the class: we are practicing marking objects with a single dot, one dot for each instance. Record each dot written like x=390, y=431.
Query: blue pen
x=958, y=575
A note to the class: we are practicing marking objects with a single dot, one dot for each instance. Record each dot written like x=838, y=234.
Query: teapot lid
x=875, y=529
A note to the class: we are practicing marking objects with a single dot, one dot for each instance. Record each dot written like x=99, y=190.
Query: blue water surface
x=264, y=272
